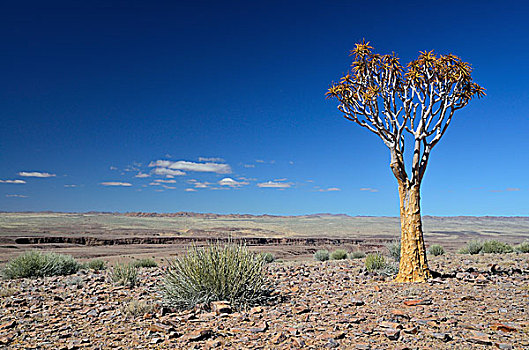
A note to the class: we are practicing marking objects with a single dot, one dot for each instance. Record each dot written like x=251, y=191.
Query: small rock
x=279, y=338
x=442, y=336
x=394, y=325
x=156, y=340
x=392, y=334
x=418, y=302
x=503, y=346
x=503, y=327
x=331, y=343
x=479, y=338
x=411, y=330
x=8, y=325
x=221, y=307
x=260, y=328
x=357, y=302
x=200, y=334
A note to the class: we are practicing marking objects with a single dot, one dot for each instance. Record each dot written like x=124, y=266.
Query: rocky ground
x=481, y=302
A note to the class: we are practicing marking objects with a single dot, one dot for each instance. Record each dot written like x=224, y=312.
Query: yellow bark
x=413, y=265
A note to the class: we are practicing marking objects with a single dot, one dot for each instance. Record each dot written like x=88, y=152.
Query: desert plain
x=474, y=302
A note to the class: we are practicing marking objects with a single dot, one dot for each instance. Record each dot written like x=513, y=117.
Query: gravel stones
x=324, y=305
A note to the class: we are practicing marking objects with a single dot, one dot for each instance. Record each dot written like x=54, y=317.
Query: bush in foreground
x=436, y=250
x=214, y=273
x=496, y=247
x=96, y=264
x=268, y=257
x=339, y=254
x=321, y=255
x=473, y=247
x=147, y=262
x=37, y=264
x=125, y=275
x=375, y=262
x=394, y=249
x=522, y=247
x=357, y=255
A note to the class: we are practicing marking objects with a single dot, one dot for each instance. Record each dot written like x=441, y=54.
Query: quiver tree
x=398, y=103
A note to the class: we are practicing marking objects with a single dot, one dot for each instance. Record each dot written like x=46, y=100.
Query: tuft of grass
x=37, y=264
x=96, y=264
x=522, y=247
x=357, y=255
x=473, y=247
x=268, y=257
x=146, y=262
x=375, y=262
x=436, y=250
x=216, y=272
x=137, y=308
x=321, y=255
x=7, y=292
x=393, y=248
x=125, y=275
x=339, y=254
x=463, y=250
x=496, y=247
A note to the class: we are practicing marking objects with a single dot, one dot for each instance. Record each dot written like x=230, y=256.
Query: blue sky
x=228, y=99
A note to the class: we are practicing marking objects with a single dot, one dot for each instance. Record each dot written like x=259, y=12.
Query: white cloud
x=512, y=189
x=228, y=181
x=161, y=164
x=167, y=172
x=113, y=168
x=35, y=174
x=331, y=189
x=166, y=181
x=368, y=189
x=283, y=179
x=249, y=165
x=70, y=185
x=12, y=181
x=190, y=190
x=259, y=161
x=204, y=159
x=272, y=184
x=142, y=175
x=169, y=187
x=198, y=184
x=16, y=196
x=111, y=183
x=192, y=166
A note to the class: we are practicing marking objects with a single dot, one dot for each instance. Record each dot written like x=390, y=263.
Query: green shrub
x=125, y=274
x=137, y=308
x=463, y=250
x=146, y=262
x=391, y=269
x=268, y=257
x=96, y=264
x=474, y=246
x=339, y=254
x=322, y=255
x=394, y=249
x=375, y=262
x=496, y=247
x=7, y=292
x=522, y=247
x=436, y=250
x=37, y=264
x=216, y=272
x=357, y=255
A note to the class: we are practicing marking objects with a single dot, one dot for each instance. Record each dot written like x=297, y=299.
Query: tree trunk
x=413, y=264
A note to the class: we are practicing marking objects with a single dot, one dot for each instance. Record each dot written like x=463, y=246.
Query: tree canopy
x=382, y=95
